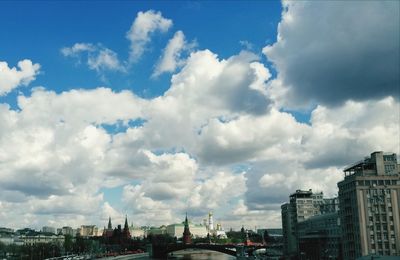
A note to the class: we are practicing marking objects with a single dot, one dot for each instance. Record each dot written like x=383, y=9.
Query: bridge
x=162, y=251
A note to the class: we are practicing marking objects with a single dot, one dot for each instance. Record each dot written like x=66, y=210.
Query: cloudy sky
x=157, y=109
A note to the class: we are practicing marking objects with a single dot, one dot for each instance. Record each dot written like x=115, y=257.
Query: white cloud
x=77, y=48
x=145, y=24
x=11, y=78
x=106, y=59
x=213, y=141
x=332, y=51
x=171, y=58
x=97, y=57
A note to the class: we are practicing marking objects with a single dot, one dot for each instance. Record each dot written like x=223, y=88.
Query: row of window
x=377, y=182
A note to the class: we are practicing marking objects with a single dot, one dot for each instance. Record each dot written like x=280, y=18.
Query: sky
x=154, y=109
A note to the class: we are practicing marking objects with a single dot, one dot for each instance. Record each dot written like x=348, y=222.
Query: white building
x=137, y=232
x=89, y=231
x=176, y=230
x=42, y=239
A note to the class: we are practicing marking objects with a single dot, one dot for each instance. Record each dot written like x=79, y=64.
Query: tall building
x=302, y=205
x=319, y=237
x=369, y=198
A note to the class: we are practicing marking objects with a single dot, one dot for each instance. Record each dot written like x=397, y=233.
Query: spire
x=126, y=222
x=186, y=233
x=126, y=233
x=109, y=223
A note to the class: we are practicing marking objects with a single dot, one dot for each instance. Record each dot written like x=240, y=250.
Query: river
x=188, y=254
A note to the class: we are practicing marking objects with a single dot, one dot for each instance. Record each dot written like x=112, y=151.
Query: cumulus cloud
x=145, y=24
x=329, y=52
x=351, y=130
x=98, y=57
x=11, y=78
x=171, y=58
x=245, y=138
x=212, y=141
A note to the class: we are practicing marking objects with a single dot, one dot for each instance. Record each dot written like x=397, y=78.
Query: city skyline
x=155, y=109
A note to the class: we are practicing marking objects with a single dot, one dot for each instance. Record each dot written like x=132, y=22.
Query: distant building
x=47, y=229
x=369, y=202
x=42, y=239
x=119, y=236
x=8, y=237
x=157, y=230
x=212, y=230
x=4, y=230
x=137, y=232
x=67, y=231
x=176, y=230
x=108, y=232
x=88, y=231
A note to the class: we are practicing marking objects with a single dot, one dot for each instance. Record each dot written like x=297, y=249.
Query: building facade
x=89, y=231
x=369, y=198
x=176, y=230
x=302, y=205
x=319, y=237
x=42, y=239
x=47, y=229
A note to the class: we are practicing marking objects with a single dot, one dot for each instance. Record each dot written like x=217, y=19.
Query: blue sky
x=39, y=30
x=215, y=113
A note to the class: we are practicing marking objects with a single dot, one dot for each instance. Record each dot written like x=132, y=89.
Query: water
x=189, y=255
x=200, y=255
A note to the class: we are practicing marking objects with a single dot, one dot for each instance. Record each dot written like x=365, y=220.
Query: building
x=212, y=230
x=302, y=205
x=319, y=237
x=369, y=198
x=108, y=232
x=137, y=232
x=88, y=231
x=47, y=229
x=176, y=230
x=67, y=231
x=157, y=230
x=38, y=238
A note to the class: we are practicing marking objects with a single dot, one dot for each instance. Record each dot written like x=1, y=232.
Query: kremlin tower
x=186, y=233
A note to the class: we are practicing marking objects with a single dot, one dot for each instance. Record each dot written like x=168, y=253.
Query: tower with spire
x=187, y=239
x=109, y=227
x=125, y=232
x=108, y=232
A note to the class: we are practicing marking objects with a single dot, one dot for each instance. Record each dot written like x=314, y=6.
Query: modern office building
x=369, y=198
x=319, y=237
x=302, y=205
